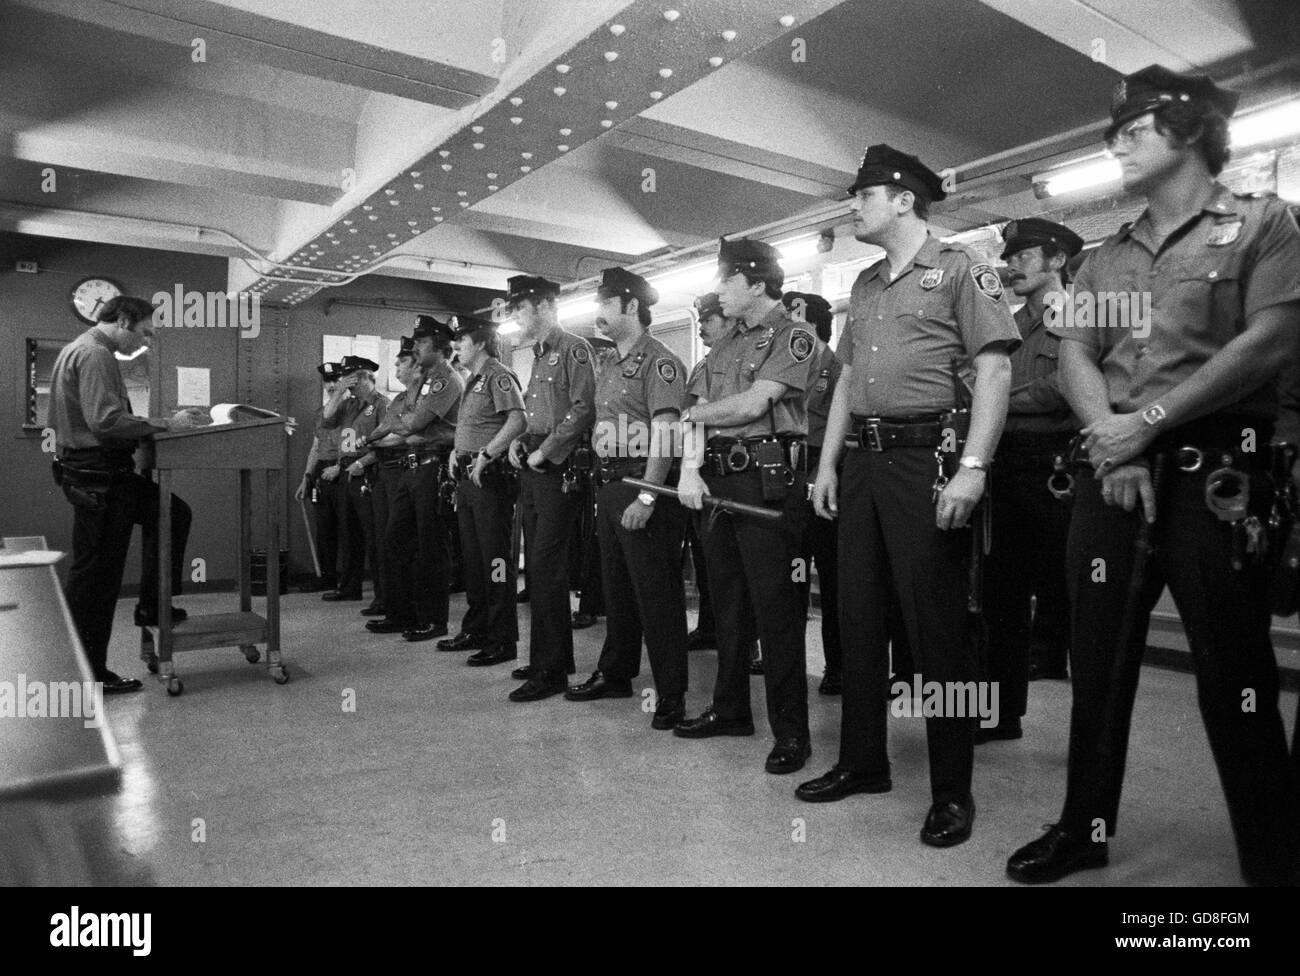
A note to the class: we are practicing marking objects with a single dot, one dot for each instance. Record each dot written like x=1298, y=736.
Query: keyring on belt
x=738, y=457
x=1060, y=482
x=1227, y=494
x=1190, y=459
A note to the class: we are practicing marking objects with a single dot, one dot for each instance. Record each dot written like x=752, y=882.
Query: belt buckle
x=871, y=437
x=740, y=451
x=412, y=461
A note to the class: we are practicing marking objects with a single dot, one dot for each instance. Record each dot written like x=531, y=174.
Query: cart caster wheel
x=175, y=687
x=252, y=655
x=151, y=662
x=281, y=678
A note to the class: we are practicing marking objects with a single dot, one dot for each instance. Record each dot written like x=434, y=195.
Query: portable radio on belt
x=773, y=466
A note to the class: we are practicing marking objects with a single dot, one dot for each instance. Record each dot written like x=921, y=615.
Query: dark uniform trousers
x=751, y=572
x=705, y=623
x=486, y=517
x=820, y=548
x=1226, y=619
x=419, y=565
x=646, y=596
x=1026, y=561
x=100, y=541
x=548, y=514
x=889, y=539
x=361, y=540
x=383, y=495
x=328, y=509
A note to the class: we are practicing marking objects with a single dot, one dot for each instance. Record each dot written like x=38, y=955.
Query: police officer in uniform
x=750, y=401
x=1194, y=381
x=819, y=543
x=491, y=417
x=560, y=410
x=904, y=499
x=1026, y=559
x=417, y=590
x=320, y=478
x=96, y=436
x=639, y=390
x=355, y=408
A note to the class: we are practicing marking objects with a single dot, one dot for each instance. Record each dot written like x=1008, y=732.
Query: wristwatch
x=646, y=498
x=1154, y=415
x=974, y=463
x=487, y=458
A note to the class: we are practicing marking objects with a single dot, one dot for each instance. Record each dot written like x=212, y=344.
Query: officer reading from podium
x=97, y=436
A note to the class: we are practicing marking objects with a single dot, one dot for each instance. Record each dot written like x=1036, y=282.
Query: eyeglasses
x=1128, y=134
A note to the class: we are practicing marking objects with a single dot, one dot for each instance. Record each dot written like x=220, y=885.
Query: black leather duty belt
x=727, y=456
x=616, y=469
x=413, y=459
x=885, y=433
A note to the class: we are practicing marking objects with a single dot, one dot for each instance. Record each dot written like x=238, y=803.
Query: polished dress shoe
x=697, y=640
x=1040, y=672
x=522, y=673
x=334, y=596
x=543, y=684
x=388, y=626
x=670, y=710
x=600, y=686
x=581, y=621
x=115, y=684
x=788, y=756
x=1054, y=855
x=148, y=616
x=948, y=824
x=710, y=724
x=832, y=683
x=463, y=642
x=493, y=654
x=424, y=632
x=839, y=783
x=376, y=609
x=1009, y=729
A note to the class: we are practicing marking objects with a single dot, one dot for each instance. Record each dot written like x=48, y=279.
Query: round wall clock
x=90, y=295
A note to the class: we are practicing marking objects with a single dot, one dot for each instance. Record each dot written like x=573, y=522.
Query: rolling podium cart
x=243, y=447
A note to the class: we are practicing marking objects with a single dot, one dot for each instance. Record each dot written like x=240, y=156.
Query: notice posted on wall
x=193, y=386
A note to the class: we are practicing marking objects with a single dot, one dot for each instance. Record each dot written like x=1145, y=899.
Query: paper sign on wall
x=193, y=386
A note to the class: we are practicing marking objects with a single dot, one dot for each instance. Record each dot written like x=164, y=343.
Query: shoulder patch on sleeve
x=580, y=353
x=667, y=370
x=987, y=281
x=503, y=382
x=801, y=345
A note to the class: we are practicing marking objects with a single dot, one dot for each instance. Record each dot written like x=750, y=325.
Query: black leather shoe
x=115, y=684
x=388, y=626
x=375, y=609
x=1040, y=672
x=1054, y=855
x=543, y=685
x=148, y=617
x=526, y=672
x=581, y=621
x=710, y=724
x=670, y=710
x=599, y=686
x=832, y=684
x=756, y=666
x=839, y=783
x=949, y=824
x=334, y=596
x=494, y=654
x=699, y=641
x=463, y=642
x=424, y=632
x=1009, y=729
x=788, y=756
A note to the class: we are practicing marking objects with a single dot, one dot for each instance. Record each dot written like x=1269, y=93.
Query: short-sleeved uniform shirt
x=327, y=438
x=432, y=421
x=361, y=415
x=561, y=392
x=902, y=335
x=774, y=348
x=1036, y=404
x=489, y=397
x=1237, y=256
x=89, y=406
x=631, y=391
x=825, y=375
x=696, y=381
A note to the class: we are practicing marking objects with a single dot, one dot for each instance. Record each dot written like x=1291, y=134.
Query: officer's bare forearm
x=311, y=456
x=1082, y=383
x=740, y=408
x=330, y=415
x=988, y=411
x=1253, y=358
x=514, y=427
x=660, y=462
x=837, y=423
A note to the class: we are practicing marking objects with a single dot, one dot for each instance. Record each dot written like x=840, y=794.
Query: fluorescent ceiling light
x=1265, y=125
x=692, y=279
x=801, y=247
x=1095, y=172
x=576, y=309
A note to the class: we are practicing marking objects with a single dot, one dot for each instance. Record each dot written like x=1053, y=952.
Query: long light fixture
x=1270, y=124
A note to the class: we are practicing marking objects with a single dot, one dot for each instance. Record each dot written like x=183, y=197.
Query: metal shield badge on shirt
x=932, y=278
x=1224, y=233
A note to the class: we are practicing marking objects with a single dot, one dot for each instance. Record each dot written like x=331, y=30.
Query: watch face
x=91, y=295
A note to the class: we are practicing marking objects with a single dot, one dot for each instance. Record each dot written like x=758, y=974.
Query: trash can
x=257, y=571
